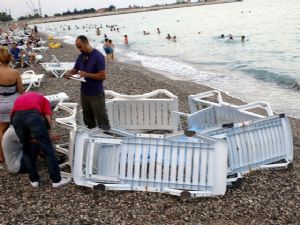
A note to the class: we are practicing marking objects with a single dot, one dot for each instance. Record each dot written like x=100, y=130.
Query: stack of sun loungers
x=222, y=140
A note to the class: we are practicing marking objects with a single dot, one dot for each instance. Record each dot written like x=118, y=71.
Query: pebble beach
x=263, y=197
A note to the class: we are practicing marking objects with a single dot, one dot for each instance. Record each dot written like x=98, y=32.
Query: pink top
x=31, y=101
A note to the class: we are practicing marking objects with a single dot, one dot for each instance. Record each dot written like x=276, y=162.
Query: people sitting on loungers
x=24, y=58
x=30, y=53
x=15, y=52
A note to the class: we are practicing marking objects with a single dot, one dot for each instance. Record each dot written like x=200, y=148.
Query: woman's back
x=8, y=76
x=10, y=86
x=8, y=92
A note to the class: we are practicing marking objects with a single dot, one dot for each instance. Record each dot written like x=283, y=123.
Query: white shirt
x=12, y=150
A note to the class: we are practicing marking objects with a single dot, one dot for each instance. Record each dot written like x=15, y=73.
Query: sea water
x=266, y=66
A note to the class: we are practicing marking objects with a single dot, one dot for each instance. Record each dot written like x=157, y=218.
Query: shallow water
x=265, y=67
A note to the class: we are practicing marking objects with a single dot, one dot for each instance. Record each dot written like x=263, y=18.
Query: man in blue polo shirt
x=15, y=52
x=90, y=64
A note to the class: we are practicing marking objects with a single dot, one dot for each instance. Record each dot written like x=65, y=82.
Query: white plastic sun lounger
x=179, y=165
x=68, y=122
x=254, y=141
x=41, y=50
x=31, y=79
x=149, y=111
x=57, y=99
x=57, y=68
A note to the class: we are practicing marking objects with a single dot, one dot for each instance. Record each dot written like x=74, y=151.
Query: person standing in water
x=98, y=32
x=125, y=39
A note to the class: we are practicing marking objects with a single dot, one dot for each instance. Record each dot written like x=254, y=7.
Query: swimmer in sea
x=125, y=39
x=174, y=38
x=98, y=32
x=243, y=38
x=169, y=37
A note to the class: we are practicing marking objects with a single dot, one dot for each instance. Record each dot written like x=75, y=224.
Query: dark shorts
x=108, y=50
x=94, y=111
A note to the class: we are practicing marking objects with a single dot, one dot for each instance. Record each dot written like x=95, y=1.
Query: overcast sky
x=19, y=8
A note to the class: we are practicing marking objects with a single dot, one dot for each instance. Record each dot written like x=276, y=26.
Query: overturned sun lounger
x=176, y=165
x=254, y=141
x=41, y=50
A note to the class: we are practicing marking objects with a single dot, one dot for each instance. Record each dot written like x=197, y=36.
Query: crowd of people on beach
x=21, y=45
x=25, y=117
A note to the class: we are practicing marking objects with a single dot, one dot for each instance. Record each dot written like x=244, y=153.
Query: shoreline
x=127, y=11
x=175, y=78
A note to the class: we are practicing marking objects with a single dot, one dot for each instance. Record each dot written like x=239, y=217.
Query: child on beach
x=174, y=38
x=112, y=46
x=30, y=53
x=98, y=32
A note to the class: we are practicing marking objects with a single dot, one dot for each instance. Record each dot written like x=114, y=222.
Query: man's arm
x=73, y=71
x=101, y=75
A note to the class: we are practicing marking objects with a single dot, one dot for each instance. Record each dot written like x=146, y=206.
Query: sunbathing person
x=15, y=52
x=30, y=53
x=24, y=58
